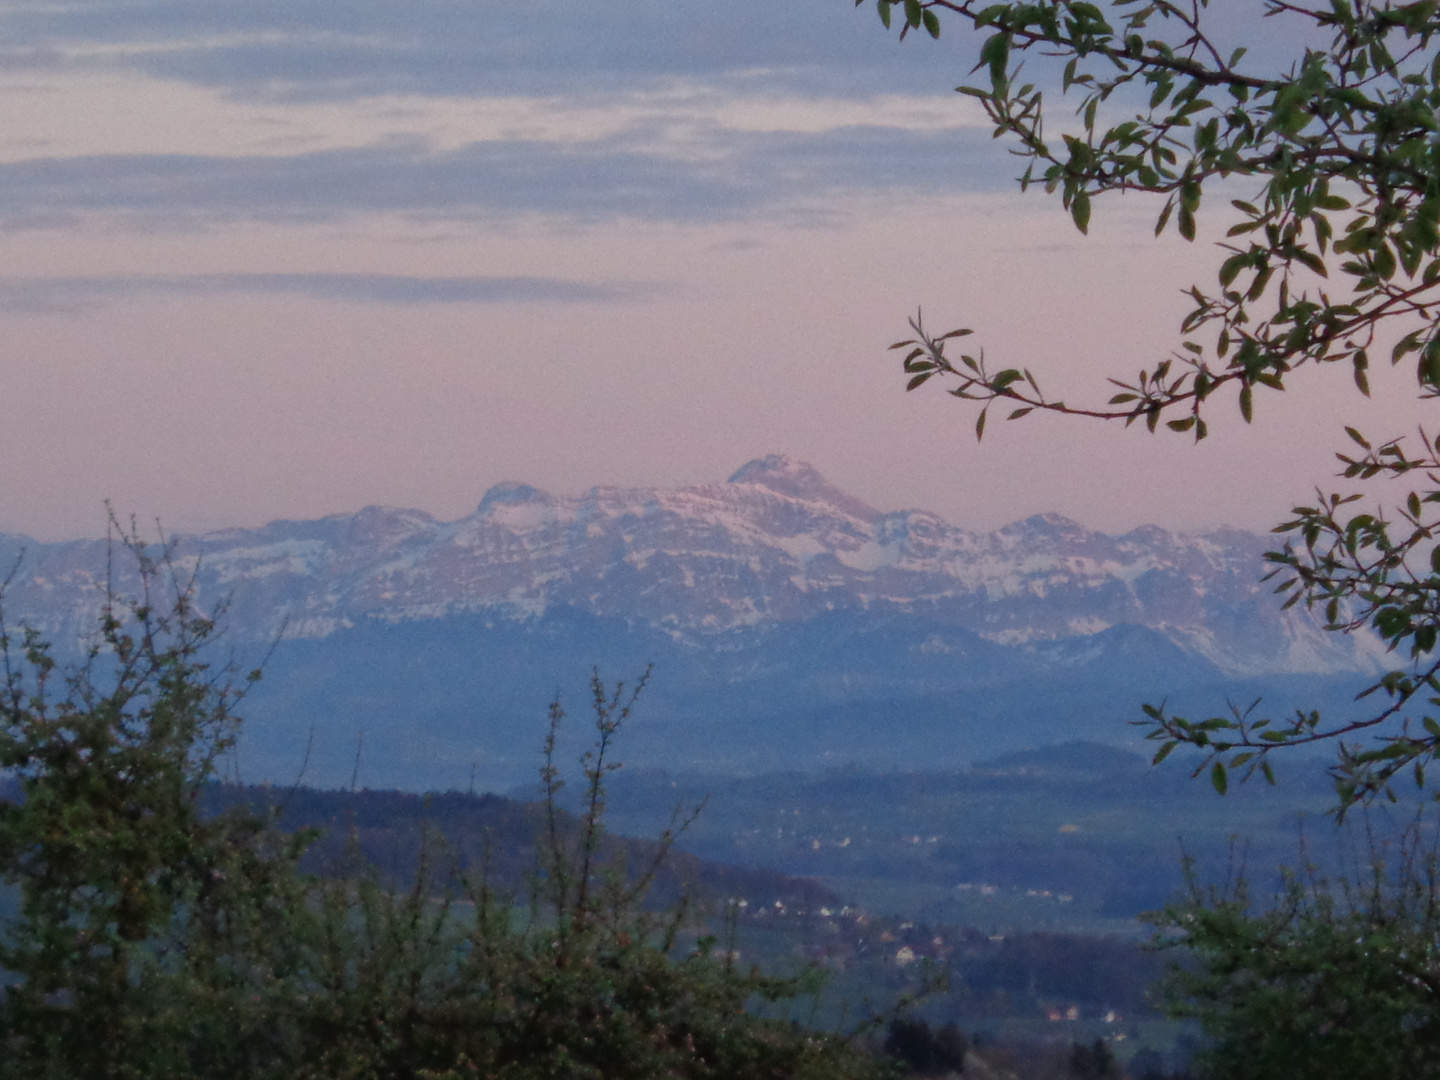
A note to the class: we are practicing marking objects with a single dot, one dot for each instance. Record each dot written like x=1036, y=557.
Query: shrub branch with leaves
x=1333, y=256
x=156, y=941
x=139, y=916
x=1336, y=976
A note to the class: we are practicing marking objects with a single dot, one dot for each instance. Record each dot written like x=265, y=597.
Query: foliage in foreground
x=155, y=941
x=1331, y=978
x=1332, y=257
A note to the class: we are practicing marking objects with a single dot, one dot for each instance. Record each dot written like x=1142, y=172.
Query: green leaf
x=1312, y=262
x=1247, y=404
x=1428, y=370
x=932, y=23
x=1361, y=361
x=1231, y=267
x=1357, y=437
x=1261, y=280
x=1080, y=210
x=1219, y=778
x=995, y=54
x=1384, y=261
x=1164, y=218
x=1408, y=344
x=918, y=380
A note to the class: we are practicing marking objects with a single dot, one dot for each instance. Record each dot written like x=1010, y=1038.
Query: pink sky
x=175, y=340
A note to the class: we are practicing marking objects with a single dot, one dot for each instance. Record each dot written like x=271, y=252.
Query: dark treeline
x=392, y=831
x=1028, y=974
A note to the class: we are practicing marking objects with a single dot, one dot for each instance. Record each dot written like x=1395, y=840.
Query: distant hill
x=1071, y=759
x=1078, y=836
x=494, y=836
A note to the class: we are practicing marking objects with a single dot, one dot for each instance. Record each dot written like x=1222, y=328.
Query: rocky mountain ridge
x=774, y=545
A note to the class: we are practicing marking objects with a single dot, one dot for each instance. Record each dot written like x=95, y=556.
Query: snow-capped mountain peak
x=510, y=491
x=800, y=480
x=776, y=544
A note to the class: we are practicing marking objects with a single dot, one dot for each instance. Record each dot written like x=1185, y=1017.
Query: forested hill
x=490, y=837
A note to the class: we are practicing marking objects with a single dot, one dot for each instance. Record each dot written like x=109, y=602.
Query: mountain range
x=790, y=625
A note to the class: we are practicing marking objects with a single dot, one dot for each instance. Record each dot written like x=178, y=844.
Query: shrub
x=154, y=940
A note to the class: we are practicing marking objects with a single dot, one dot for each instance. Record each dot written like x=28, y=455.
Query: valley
x=914, y=745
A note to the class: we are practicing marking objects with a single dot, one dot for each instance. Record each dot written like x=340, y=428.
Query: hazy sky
x=284, y=258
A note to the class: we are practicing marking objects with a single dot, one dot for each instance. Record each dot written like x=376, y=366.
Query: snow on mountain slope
x=774, y=544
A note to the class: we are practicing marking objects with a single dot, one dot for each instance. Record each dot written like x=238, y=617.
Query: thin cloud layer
x=698, y=72
x=75, y=293
x=729, y=175
x=329, y=49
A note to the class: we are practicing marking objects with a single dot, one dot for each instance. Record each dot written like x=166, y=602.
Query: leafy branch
x=1333, y=257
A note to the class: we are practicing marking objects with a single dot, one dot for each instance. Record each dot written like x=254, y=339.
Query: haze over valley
x=790, y=626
